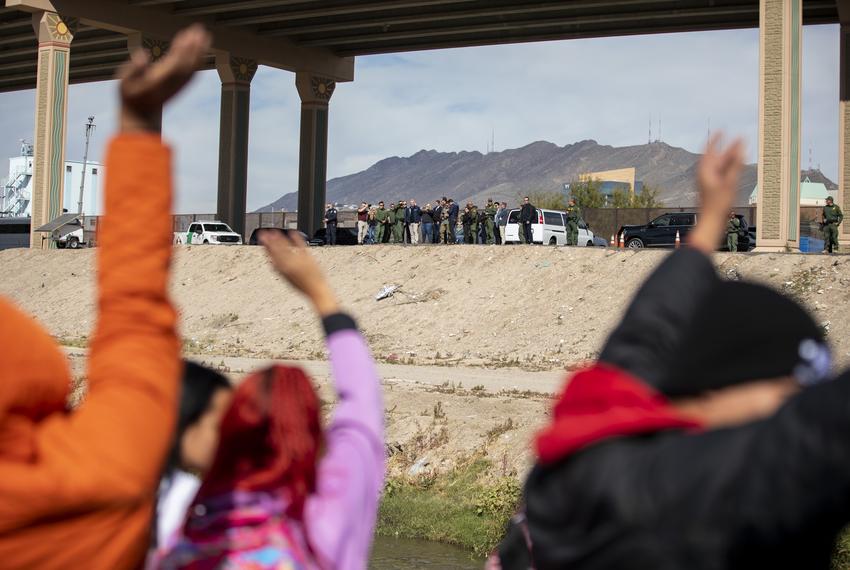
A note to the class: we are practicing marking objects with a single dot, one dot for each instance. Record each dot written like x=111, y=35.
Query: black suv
x=661, y=232
x=344, y=236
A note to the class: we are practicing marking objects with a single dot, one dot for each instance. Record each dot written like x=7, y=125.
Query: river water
x=404, y=554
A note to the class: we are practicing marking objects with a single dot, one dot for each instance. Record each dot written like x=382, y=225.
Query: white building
x=16, y=189
x=811, y=193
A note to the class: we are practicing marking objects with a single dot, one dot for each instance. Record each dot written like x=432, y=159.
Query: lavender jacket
x=339, y=518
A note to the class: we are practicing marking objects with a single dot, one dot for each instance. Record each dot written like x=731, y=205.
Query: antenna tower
x=649, y=140
x=90, y=127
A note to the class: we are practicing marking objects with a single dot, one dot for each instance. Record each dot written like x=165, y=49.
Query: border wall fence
x=603, y=222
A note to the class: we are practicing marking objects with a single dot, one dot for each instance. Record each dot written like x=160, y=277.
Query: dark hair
x=197, y=388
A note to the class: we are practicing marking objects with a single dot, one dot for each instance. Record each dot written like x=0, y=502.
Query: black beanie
x=745, y=332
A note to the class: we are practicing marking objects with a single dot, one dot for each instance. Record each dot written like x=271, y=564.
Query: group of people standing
x=405, y=222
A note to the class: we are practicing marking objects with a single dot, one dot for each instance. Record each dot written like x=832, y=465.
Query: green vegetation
x=548, y=200
x=587, y=194
x=458, y=507
x=648, y=198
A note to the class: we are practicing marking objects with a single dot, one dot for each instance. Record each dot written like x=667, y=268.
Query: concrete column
x=780, y=39
x=315, y=93
x=54, y=33
x=156, y=50
x=236, y=75
x=843, y=196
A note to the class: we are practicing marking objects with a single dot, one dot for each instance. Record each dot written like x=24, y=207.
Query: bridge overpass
x=48, y=44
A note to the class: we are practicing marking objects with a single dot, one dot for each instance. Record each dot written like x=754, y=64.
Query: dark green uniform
x=466, y=222
x=445, y=228
x=473, y=225
x=832, y=218
x=382, y=216
x=733, y=226
x=398, y=225
x=573, y=216
x=490, y=222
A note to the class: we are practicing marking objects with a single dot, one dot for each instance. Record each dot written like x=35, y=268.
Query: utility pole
x=90, y=126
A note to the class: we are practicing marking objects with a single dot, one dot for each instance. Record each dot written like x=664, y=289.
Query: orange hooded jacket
x=77, y=488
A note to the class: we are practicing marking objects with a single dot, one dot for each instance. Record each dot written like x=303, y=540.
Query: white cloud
x=451, y=100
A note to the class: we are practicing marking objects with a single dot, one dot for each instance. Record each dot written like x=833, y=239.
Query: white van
x=550, y=228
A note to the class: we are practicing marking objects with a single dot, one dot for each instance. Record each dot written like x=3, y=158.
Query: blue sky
x=451, y=100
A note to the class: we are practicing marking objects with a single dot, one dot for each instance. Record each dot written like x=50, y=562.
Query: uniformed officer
x=446, y=236
x=466, y=222
x=330, y=224
x=490, y=221
x=733, y=227
x=398, y=222
x=381, y=216
x=390, y=222
x=831, y=217
x=573, y=217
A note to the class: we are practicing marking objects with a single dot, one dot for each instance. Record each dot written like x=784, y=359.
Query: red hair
x=270, y=438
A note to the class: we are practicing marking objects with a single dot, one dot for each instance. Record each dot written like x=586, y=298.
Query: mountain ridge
x=539, y=166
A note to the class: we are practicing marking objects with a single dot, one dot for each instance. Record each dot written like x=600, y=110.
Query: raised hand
x=718, y=175
x=145, y=86
x=289, y=255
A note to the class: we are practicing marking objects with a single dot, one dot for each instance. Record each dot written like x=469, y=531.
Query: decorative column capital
x=51, y=27
x=314, y=89
x=155, y=47
x=232, y=69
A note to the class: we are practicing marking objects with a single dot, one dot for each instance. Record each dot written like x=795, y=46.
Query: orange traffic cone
x=613, y=243
x=621, y=239
x=678, y=239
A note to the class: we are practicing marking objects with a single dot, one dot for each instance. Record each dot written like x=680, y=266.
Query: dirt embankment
x=470, y=345
x=527, y=307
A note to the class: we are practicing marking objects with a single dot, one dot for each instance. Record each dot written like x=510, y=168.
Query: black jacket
x=769, y=494
x=331, y=215
x=454, y=209
x=527, y=213
x=427, y=217
x=412, y=215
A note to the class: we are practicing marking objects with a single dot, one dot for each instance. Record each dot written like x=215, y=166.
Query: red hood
x=604, y=402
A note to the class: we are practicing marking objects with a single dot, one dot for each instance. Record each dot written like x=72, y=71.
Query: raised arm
x=664, y=306
x=110, y=451
x=340, y=515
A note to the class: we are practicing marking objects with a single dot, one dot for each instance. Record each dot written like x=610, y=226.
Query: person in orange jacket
x=77, y=487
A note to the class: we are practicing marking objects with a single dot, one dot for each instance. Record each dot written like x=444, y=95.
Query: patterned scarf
x=240, y=530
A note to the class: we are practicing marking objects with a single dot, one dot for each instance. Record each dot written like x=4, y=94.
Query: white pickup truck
x=208, y=232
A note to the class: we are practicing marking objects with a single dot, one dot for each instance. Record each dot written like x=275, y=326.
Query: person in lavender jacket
x=282, y=492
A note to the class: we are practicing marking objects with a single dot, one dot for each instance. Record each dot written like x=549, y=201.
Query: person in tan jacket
x=77, y=487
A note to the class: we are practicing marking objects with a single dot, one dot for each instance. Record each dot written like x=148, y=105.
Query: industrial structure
x=47, y=44
x=16, y=189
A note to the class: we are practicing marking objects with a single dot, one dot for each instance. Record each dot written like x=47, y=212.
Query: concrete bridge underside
x=48, y=44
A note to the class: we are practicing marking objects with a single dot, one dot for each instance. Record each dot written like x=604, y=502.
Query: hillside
x=505, y=175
